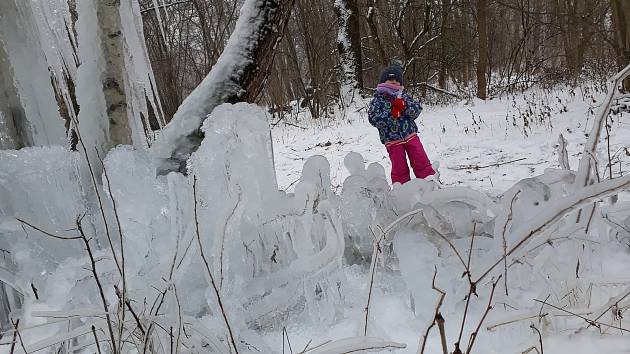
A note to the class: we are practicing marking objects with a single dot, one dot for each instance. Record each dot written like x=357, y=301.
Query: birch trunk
x=113, y=79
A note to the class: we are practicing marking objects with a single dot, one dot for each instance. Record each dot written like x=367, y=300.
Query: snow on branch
x=237, y=76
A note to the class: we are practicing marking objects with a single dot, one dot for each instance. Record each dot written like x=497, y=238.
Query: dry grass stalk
x=15, y=333
x=209, y=272
x=473, y=335
x=101, y=292
x=542, y=350
x=122, y=254
x=437, y=319
x=98, y=346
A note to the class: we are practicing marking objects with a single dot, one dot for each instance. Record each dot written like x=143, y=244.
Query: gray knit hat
x=392, y=72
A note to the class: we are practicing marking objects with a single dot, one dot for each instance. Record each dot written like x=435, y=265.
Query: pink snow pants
x=417, y=157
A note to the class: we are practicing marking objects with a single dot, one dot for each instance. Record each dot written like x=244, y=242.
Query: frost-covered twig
x=131, y=310
x=222, y=240
x=590, y=322
x=357, y=345
x=307, y=349
x=610, y=304
x=285, y=334
x=16, y=334
x=98, y=194
x=477, y=167
x=507, y=221
x=207, y=268
x=101, y=292
x=88, y=249
x=584, y=169
x=375, y=252
x=180, y=324
x=437, y=318
x=472, y=286
x=558, y=211
x=122, y=253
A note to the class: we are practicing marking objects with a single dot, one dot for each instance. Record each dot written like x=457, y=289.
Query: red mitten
x=398, y=106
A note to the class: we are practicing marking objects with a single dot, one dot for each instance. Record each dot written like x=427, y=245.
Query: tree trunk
x=10, y=108
x=621, y=19
x=239, y=75
x=349, y=42
x=482, y=65
x=113, y=80
x=443, y=53
x=372, y=25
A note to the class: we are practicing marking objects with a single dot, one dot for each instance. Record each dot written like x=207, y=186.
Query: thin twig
x=15, y=333
x=507, y=222
x=375, y=253
x=122, y=252
x=98, y=346
x=98, y=194
x=101, y=292
x=539, y=338
x=179, y=320
x=307, y=349
x=207, y=267
x=285, y=334
x=474, y=334
x=593, y=193
x=437, y=318
x=477, y=167
x=472, y=290
x=590, y=322
x=48, y=233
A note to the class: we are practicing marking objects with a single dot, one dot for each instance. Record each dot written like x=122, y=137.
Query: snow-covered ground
x=488, y=146
x=462, y=137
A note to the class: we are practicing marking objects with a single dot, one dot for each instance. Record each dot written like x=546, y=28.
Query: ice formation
x=56, y=61
x=280, y=258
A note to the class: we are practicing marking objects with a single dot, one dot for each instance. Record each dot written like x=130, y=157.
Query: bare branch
x=437, y=318
x=474, y=334
x=48, y=233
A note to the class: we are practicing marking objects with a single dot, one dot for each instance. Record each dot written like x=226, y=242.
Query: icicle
x=156, y=7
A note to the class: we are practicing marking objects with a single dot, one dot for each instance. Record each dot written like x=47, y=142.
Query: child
x=393, y=113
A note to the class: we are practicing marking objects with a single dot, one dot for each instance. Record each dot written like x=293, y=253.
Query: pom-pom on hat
x=392, y=72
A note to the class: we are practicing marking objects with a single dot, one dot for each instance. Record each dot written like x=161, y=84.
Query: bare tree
x=349, y=42
x=443, y=50
x=621, y=18
x=482, y=64
x=371, y=18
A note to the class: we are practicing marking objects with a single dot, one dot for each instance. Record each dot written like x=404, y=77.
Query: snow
x=290, y=246
x=462, y=138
